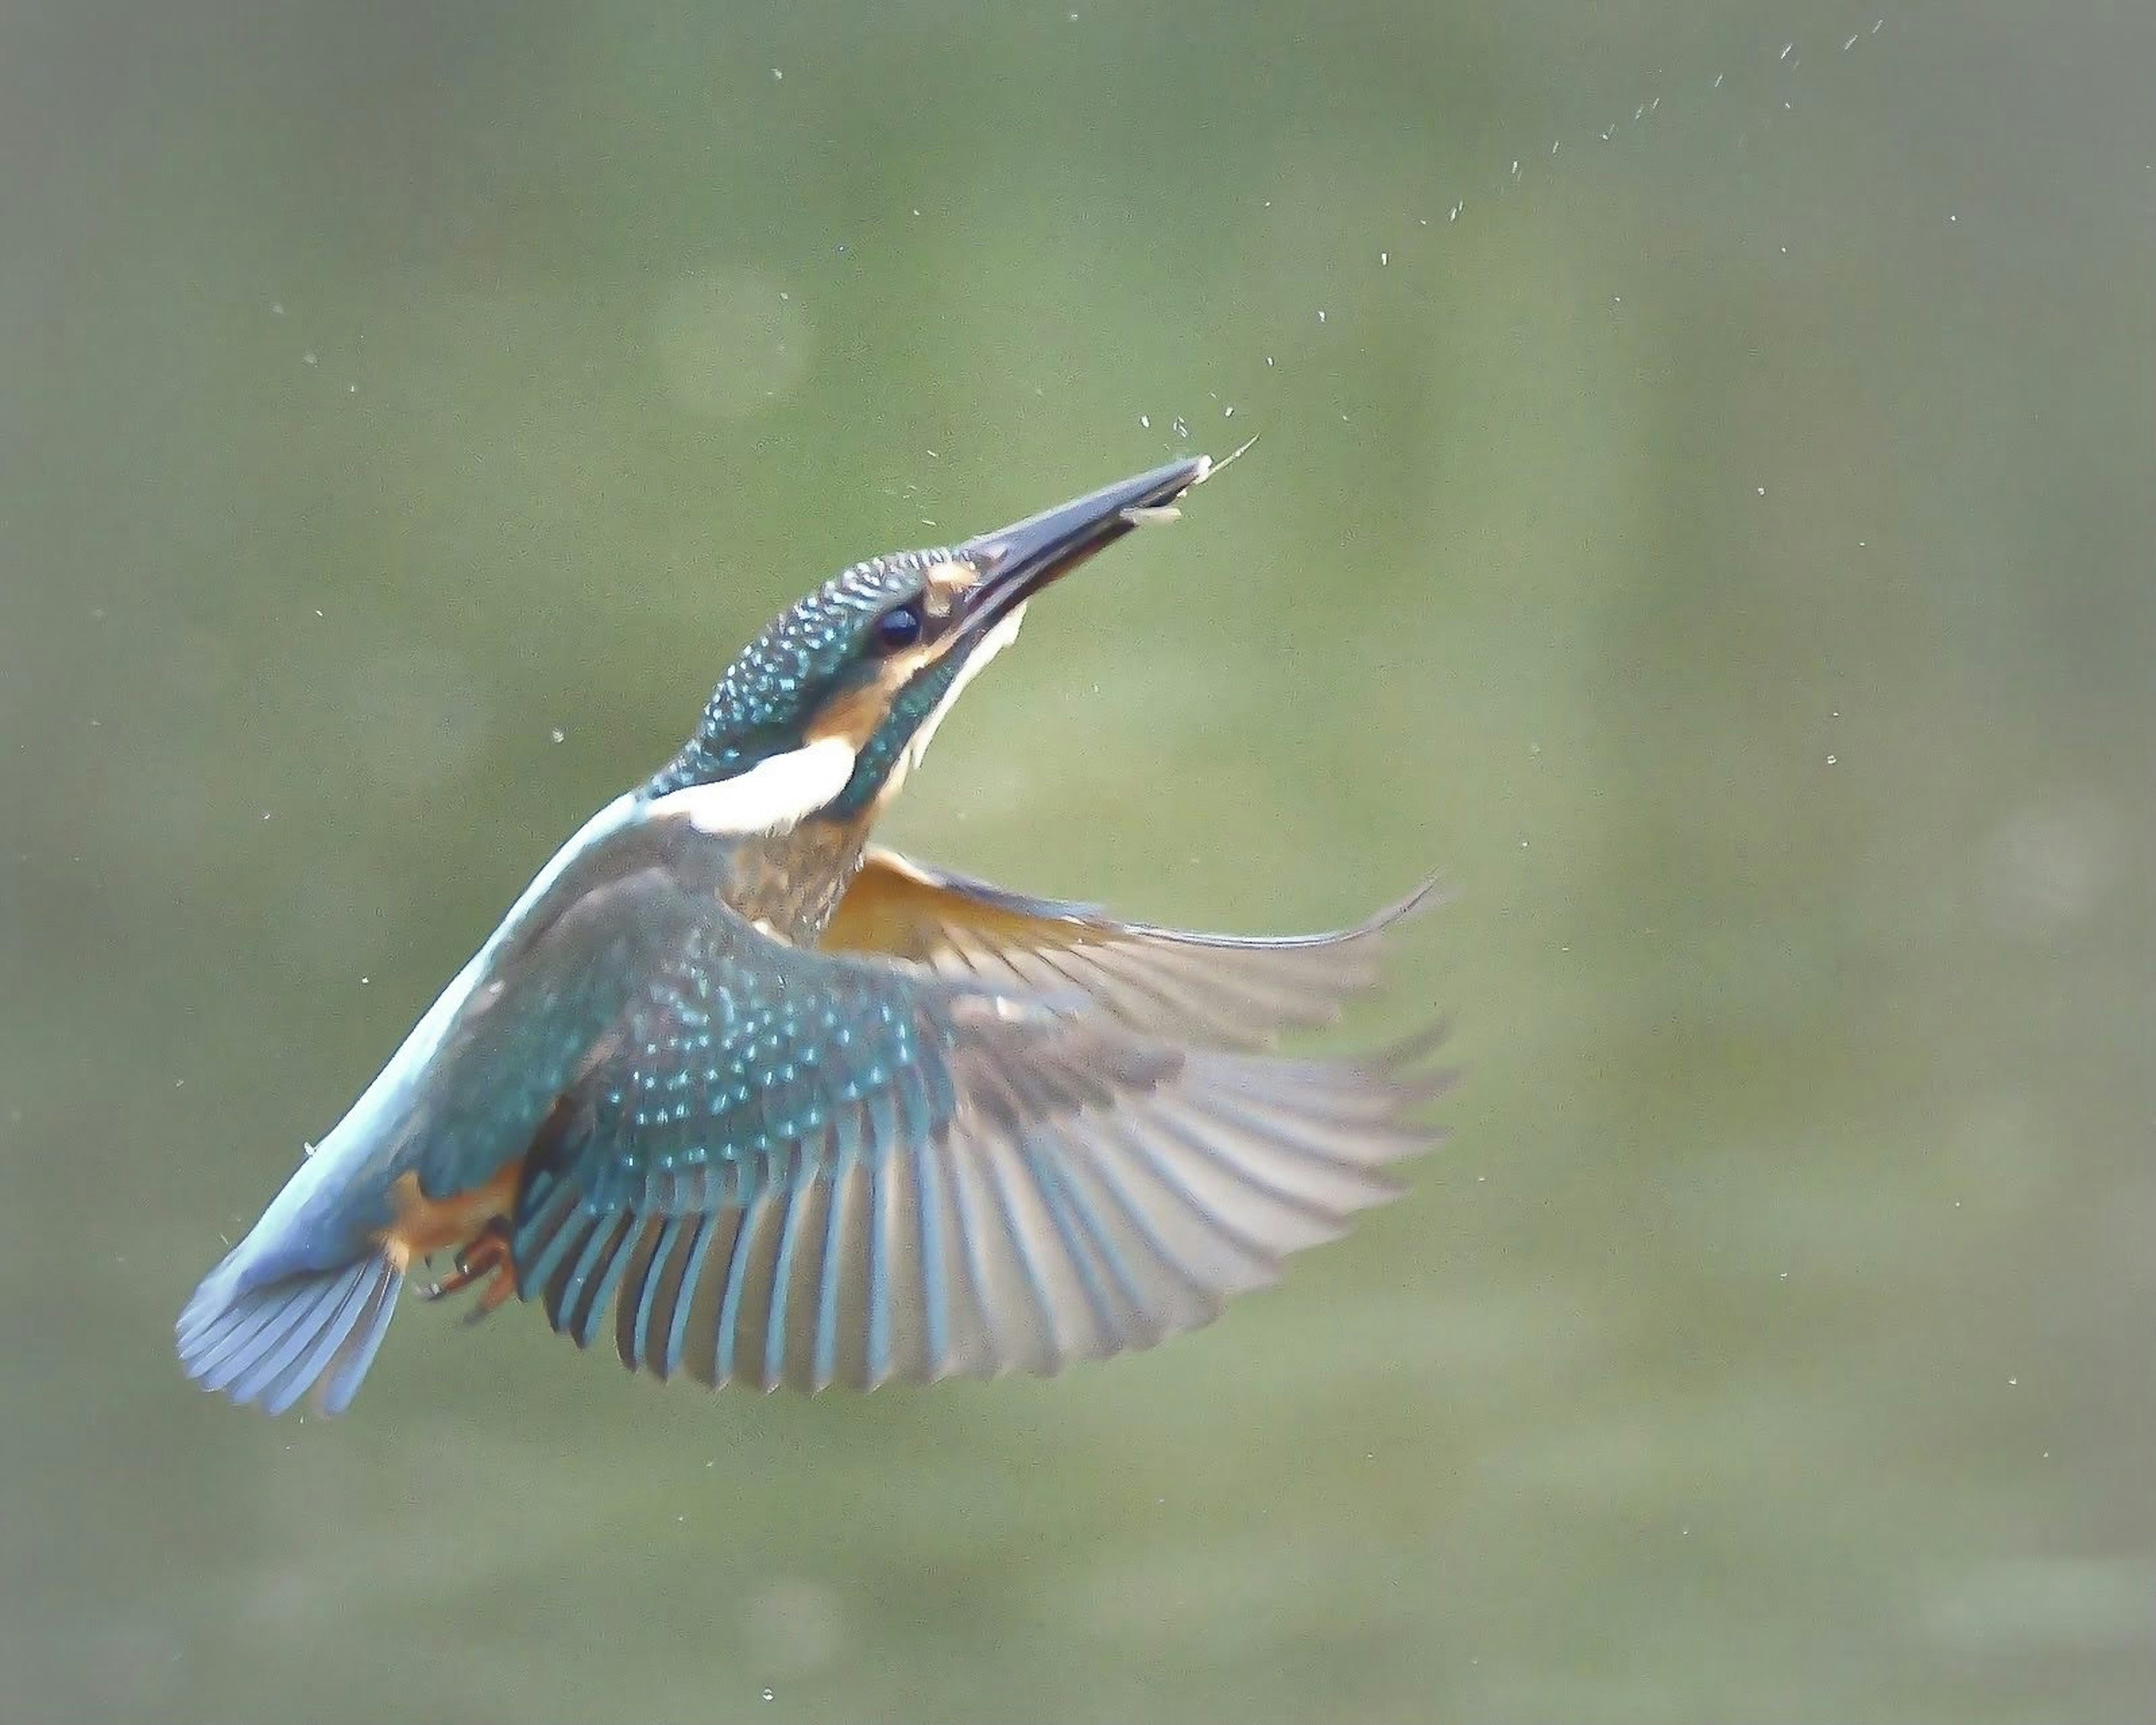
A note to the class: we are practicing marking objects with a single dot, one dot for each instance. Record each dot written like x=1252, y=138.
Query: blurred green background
x=1704, y=510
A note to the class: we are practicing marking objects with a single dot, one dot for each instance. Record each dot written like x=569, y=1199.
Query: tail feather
x=281, y=1332
x=347, y=1366
x=268, y=1345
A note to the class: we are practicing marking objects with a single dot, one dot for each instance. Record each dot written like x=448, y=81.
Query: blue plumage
x=270, y=1343
x=793, y=670
x=787, y=1114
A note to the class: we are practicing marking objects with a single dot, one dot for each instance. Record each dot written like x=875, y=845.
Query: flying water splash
x=1734, y=102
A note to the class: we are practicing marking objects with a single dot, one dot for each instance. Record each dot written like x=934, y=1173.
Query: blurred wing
x=547, y=999
x=305, y=1301
x=802, y=1167
x=1230, y=991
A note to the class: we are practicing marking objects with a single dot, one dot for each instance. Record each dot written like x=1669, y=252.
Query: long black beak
x=1016, y=561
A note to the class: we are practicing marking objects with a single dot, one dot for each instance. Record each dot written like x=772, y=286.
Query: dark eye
x=898, y=628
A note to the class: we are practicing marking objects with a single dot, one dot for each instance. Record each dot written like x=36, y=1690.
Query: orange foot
x=486, y=1253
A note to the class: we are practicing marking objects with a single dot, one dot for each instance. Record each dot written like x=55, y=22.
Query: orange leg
x=486, y=1253
x=479, y=1218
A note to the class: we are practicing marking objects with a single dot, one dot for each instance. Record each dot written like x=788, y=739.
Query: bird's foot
x=487, y=1255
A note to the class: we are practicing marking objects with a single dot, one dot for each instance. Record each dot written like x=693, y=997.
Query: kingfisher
x=783, y=1107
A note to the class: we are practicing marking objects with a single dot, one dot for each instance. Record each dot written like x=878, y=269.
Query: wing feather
x=1233, y=991
x=974, y=1133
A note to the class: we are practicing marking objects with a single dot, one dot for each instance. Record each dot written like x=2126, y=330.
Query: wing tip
x=1428, y=894
x=1404, y=1064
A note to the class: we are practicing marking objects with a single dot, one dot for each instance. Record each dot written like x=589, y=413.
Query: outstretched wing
x=802, y=1167
x=1232, y=991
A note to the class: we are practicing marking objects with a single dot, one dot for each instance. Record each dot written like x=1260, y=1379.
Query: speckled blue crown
x=763, y=703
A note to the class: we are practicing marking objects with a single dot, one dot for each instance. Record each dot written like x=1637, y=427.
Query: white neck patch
x=992, y=643
x=773, y=796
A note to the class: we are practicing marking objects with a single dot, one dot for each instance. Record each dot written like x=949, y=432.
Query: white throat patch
x=773, y=796
x=992, y=643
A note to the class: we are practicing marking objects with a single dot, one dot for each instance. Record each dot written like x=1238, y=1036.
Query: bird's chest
x=789, y=883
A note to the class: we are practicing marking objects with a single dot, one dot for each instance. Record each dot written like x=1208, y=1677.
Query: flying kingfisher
x=778, y=1107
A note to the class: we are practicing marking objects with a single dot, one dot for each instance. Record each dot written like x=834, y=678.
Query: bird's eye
x=898, y=628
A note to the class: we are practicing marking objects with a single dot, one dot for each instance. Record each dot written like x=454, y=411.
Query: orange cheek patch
x=853, y=716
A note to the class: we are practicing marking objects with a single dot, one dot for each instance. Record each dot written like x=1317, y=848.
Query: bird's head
x=825, y=712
